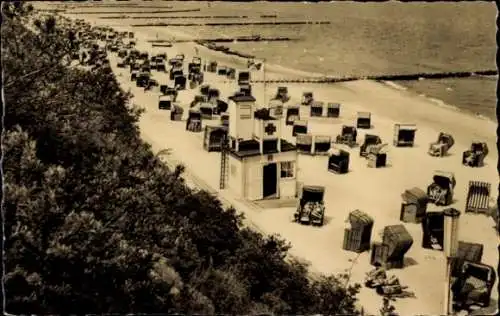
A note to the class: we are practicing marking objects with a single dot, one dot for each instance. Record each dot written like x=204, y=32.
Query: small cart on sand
x=364, y=120
x=440, y=147
x=338, y=161
x=169, y=91
x=474, y=157
x=307, y=98
x=180, y=82
x=348, y=136
x=213, y=137
x=474, y=285
x=440, y=191
x=282, y=94
x=165, y=102
x=404, y=135
x=311, y=208
x=292, y=115
x=369, y=140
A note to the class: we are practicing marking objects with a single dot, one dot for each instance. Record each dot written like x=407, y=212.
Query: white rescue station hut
x=261, y=164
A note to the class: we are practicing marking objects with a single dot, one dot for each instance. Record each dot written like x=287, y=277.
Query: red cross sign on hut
x=270, y=129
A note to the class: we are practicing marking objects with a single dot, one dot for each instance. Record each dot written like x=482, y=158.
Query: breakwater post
x=228, y=40
x=137, y=12
x=396, y=77
x=234, y=23
x=225, y=50
x=187, y=17
x=124, y=5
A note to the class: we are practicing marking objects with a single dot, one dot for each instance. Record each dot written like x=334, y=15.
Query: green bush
x=95, y=223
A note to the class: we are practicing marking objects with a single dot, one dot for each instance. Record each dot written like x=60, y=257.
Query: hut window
x=287, y=169
x=245, y=112
x=233, y=170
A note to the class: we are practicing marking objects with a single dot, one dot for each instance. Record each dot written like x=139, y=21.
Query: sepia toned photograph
x=250, y=158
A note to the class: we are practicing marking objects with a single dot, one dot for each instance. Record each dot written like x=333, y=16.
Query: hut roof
x=414, y=195
x=398, y=239
x=242, y=98
x=360, y=218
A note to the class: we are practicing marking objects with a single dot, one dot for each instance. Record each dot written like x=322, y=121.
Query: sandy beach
x=376, y=192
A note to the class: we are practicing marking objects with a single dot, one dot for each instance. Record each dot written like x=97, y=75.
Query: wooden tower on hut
x=260, y=163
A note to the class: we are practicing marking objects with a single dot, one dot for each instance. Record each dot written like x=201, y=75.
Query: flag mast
x=265, y=83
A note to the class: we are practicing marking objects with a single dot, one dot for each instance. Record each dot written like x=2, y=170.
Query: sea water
x=367, y=39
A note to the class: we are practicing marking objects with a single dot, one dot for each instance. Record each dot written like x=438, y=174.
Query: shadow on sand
x=490, y=310
x=408, y=262
x=277, y=203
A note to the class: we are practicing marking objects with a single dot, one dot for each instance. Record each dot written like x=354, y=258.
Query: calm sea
x=367, y=39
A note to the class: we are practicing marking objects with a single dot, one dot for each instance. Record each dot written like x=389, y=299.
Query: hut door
x=270, y=180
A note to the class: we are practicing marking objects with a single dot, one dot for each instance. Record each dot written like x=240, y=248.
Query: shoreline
x=388, y=83
x=428, y=105
x=277, y=71
x=286, y=72
x=439, y=102
x=368, y=95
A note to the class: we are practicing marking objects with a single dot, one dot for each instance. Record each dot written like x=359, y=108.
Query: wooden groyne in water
x=52, y=10
x=233, y=23
x=326, y=80
x=407, y=77
x=161, y=45
x=248, y=39
x=228, y=40
x=123, y=5
x=138, y=12
x=139, y=6
x=225, y=50
x=187, y=17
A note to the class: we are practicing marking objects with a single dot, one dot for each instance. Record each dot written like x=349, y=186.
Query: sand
x=374, y=191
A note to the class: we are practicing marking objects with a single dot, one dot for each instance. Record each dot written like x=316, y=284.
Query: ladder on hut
x=223, y=162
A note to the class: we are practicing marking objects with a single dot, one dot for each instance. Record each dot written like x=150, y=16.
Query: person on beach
x=83, y=58
x=252, y=64
x=148, y=86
